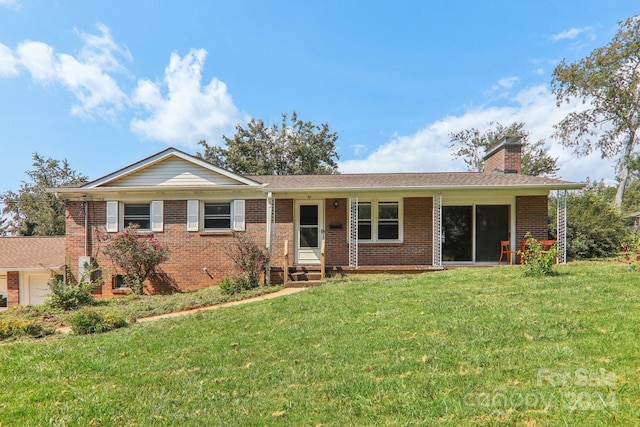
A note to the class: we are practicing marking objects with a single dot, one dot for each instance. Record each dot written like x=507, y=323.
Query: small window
x=138, y=213
x=118, y=282
x=364, y=221
x=217, y=216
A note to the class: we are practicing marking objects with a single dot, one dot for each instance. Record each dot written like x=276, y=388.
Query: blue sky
x=106, y=83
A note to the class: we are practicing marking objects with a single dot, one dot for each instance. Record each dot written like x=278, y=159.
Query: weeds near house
x=44, y=319
x=537, y=260
x=251, y=260
x=88, y=321
x=71, y=296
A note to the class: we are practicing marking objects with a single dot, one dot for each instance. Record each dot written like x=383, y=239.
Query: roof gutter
x=570, y=186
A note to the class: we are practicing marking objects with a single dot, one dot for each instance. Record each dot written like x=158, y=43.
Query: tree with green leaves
x=608, y=83
x=33, y=211
x=472, y=144
x=291, y=148
x=595, y=228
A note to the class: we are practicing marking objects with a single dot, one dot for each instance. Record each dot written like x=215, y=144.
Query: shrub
x=237, y=284
x=69, y=296
x=87, y=321
x=251, y=260
x=138, y=255
x=229, y=286
x=595, y=229
x=537, y=261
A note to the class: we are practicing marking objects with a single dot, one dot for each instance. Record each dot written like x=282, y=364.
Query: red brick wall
x=337, y=232
x=416, y=249
x=190, y=252
x=13, y=288
x=532, y=216
x=283, y=231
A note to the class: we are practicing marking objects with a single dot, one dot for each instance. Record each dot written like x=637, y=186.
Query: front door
x=309, y=231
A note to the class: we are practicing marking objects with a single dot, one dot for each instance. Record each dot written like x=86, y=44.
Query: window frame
x=375, y=220
x=124, y=224
x=115, y=218
x=118, y=282
x=202, y=219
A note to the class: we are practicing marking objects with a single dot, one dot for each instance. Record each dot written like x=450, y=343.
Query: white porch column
x=270, y=218
x=437, y=229
x=561, y=226
x=353, y=231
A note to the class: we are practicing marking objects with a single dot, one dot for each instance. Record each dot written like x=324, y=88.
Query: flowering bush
x=138, y=255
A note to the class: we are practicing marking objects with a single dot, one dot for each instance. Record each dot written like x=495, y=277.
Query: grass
x=132, y=307
x=460, y=347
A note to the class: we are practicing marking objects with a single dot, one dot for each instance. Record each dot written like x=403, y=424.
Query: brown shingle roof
x=22, y=253
x=433, y=180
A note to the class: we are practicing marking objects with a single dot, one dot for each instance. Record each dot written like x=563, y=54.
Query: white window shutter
x=193, y=208
x=112, y=216
x=238, y=215
x=157, y=215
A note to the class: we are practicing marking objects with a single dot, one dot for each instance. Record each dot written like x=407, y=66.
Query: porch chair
x=505, y=249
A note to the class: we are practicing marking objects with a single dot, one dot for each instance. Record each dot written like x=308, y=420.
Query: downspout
x=86, y=231
x=269, y=207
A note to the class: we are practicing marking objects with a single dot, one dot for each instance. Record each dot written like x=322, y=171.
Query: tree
x=33, y=211
x=472, y=144
x=137, y=254
x=608, y=83
x=295, y=148
x=595, y=228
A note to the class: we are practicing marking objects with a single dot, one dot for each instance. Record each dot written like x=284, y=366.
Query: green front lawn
x=460, y=347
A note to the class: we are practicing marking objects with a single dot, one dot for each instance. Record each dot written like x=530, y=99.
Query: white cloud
x=8, y=62
x=508, y=82
x=189, y=111
x=428, y=149
x=87, y=76
x=39, y=59
x=11, y=4
x=570, y=34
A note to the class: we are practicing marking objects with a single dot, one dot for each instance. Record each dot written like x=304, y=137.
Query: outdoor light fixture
x=335, y=204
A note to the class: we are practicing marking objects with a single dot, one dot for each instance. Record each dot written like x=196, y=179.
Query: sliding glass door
x=473, y=233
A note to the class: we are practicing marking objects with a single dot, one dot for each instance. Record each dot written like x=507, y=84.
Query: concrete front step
x=304, y=273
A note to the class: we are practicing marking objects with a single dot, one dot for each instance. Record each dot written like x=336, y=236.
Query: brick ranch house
x=410, y=221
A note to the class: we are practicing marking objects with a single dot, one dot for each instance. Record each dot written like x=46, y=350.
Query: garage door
x=38, y=288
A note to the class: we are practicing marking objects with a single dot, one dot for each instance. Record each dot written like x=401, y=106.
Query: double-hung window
x=138, y=214
x=217, y=216
x=379, y=221
x=148, y=216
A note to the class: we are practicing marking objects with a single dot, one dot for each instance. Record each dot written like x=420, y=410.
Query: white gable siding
x=174, y=172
